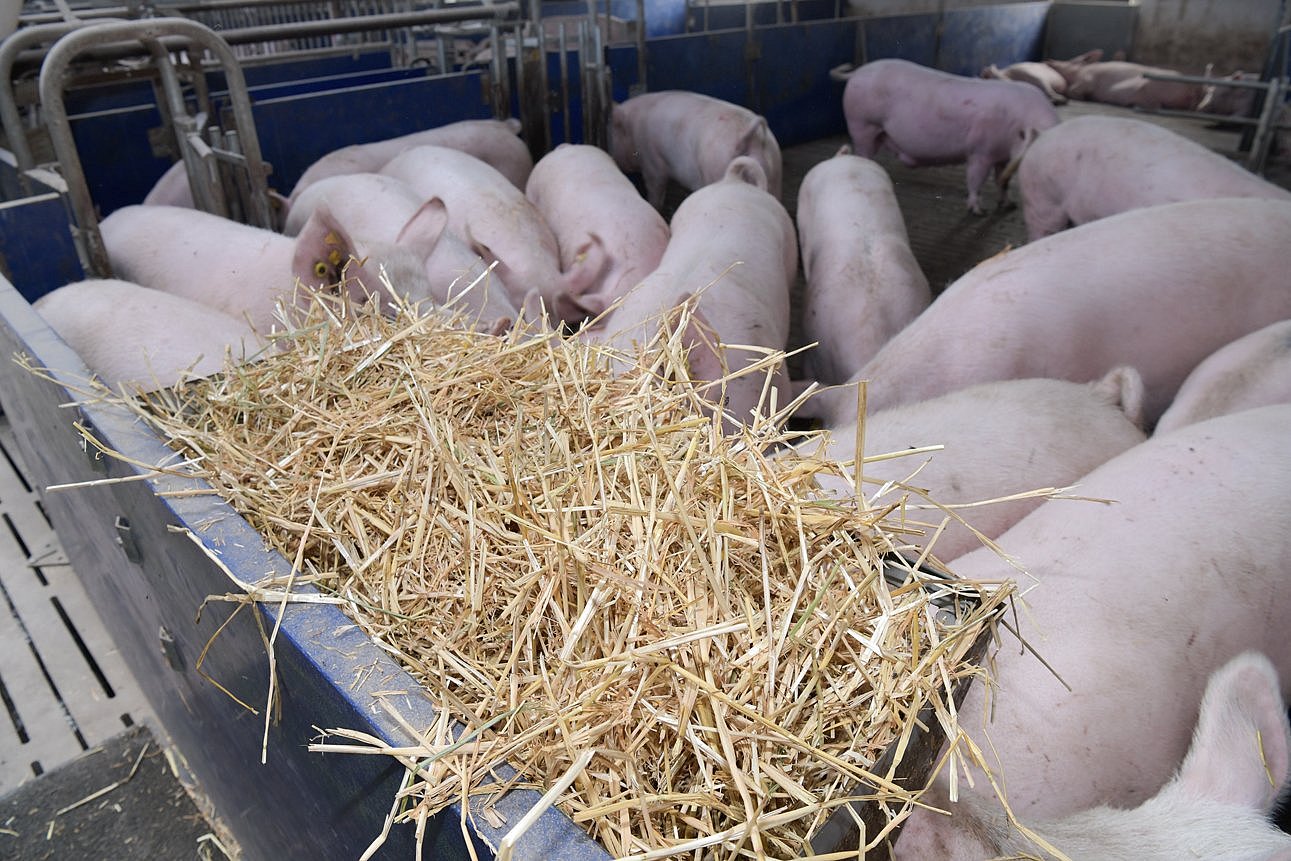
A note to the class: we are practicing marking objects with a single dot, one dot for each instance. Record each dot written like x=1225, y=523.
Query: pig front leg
x=979, y=167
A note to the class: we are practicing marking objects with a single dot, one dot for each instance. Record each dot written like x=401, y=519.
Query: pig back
x=1073, y=305
x=1137, y=598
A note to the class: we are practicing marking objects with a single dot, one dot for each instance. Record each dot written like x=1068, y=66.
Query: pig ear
x=322, y=249
x=1241, y=750
x=748, y=171
x=589, y=262
x=421, y=233
x=1123, y=387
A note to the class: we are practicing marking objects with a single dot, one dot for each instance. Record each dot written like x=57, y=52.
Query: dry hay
x=662, y=622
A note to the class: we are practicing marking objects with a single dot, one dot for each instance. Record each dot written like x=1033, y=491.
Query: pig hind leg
x=866, y=136
x=978, y=169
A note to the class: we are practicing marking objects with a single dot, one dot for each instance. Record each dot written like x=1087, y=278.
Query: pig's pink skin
x=389, y=211
x=498, y=221
x=1117, y=82
x=1228, y=101
x=1090, y=167
x=1252, y=371
x=494, y=142
x=585, y=198
x=733, y=247
x=137, y=336
x=1000, y=439
x=1078, y=303
x=171, y=189
x=1133, y=604
x=863, y=284
x=1049, y=80
x=690, y=138
x=244, y=271
x=930, y=117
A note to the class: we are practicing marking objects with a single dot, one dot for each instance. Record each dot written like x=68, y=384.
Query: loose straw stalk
x=572, y=560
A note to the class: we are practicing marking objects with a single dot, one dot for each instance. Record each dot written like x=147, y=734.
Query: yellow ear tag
x=320, y=269
x=332, y=238
x=334, y=257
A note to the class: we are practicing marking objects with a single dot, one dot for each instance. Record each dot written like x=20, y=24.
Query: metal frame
x=147, y=34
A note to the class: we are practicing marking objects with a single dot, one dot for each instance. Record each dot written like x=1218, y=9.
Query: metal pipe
x=1202, y=79
x=51, y=93
x=10, y=48
x=563, y=45
x=326, y=27
x=642, y=84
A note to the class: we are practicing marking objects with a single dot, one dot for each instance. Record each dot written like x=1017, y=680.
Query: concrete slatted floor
x=64, y=687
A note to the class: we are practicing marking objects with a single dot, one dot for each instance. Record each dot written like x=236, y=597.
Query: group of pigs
x=1155, y=727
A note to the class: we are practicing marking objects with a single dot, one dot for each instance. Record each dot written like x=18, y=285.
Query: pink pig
x=584, y=197
x=498, y=221
x=1132, y=605
x=690, y=138
x=930, y=117
x=244, y=271
x=380, y=208
x=999, y=440
x=733, y=248
x=1048, y=79
x=1252, y=371
x=862, y=282
x=1091, y=167
x=1157, y=289
x=494, y=142
x=137, y=336
x=1117, y=82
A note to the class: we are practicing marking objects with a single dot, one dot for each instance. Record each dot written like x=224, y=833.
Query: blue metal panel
x=575, y=113
x=300, y=805
x=36, y=247
x=976, y=37
x=116, y=155
x=735, y=16
x=295, y=132
x=663, y=17
x=904, y=37
x=798, y=98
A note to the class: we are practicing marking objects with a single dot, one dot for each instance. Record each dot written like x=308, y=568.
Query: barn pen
x=247, y=95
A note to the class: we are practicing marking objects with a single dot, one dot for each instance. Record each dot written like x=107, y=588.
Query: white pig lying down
x=1135, y=604
x=498, y=221
x=1048, y=79
x=862, y=283
x=140, y=337
x=244, y=271
x=1087, y=168
x=1158, y=289
x=1000, y=439
x=929, y=117
x=388, y=211
x=494, y=142
x=585, y=198
x=1252, y=371
x=734, y=253
x=690, y=138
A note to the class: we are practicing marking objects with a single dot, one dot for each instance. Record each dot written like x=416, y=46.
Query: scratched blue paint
x=976, y=37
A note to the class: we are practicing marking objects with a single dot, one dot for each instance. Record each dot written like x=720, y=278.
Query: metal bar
x=642, y=84
x=10, y=48
x=329, y=27
x=51, y=92
x=1267, y=128
x=563, y=46
x=1202, y=79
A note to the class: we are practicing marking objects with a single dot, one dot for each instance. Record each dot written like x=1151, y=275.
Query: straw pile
x=608, y=593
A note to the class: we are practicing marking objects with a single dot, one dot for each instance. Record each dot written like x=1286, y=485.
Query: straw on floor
x=664, y=623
